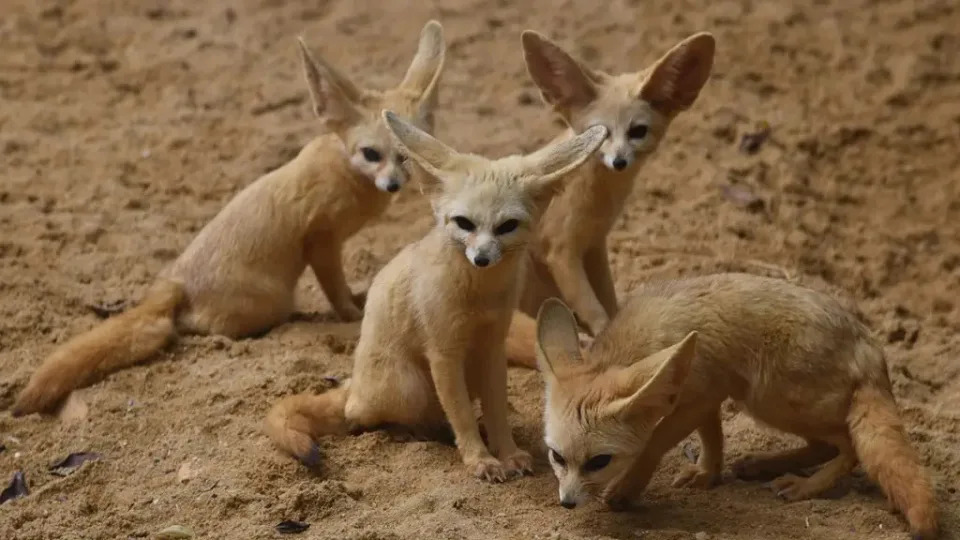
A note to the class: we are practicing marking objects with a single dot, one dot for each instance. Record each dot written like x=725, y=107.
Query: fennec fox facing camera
x=432, y=338
x=237, y=277
x=636, y=108
x=793, y=358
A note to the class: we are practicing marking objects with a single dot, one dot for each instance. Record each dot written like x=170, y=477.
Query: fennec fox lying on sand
x=237, y=277
x=794, y=358
x=432, y=338
x=636, y=108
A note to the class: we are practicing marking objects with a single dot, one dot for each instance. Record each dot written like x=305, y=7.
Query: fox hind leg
x=771, y=465
x=794, y=488
x=397, y=396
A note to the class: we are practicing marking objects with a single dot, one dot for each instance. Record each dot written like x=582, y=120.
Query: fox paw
x=519, y=463
x=489, y=469
x=791, y=487
x=695, y=477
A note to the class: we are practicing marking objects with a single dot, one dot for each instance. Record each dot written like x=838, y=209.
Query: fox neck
x=608, y=187
x=617, y=185
x=331, y=192
x=502, y=278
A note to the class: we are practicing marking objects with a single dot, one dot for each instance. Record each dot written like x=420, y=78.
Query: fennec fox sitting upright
x=794, y=358
x=636, y=108
x=432, y=338
x=237, y=277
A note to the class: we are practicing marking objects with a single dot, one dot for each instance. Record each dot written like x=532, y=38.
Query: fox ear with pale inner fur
x=656, y=395
x=334, y=97
x=558, y=343
x=563, y=82
x=423, y=75
x=551, y=163
x=676, y=80
x=435, y=157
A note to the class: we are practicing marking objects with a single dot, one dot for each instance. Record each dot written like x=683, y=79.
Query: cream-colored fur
x=636, y=108
x=794, y=359
x=432, y=339
x=237, y=277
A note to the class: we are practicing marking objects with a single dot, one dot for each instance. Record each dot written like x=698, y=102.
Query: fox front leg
x=672, y=429
x=449, y=378
x=597, y=266
x=571, y=278
x=493, y=402
x=326, y=260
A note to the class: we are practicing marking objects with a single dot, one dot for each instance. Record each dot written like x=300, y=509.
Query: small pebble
x=175, y=532
x=701, y=536
x=292, y=527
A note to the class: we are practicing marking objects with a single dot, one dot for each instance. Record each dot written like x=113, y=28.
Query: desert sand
x=126, y=125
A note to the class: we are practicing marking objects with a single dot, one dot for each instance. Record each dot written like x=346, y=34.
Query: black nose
x=481, y=261
x=569, y=505
x=619, y=164
x=393, y=188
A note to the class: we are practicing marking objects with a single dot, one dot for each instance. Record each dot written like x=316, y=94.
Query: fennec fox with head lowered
x=793, y=358
x=432, y=338
x=237, y=277
x=636, y=108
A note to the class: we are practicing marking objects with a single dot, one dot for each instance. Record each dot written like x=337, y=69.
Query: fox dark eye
x=638, y=131
x=371, y=154
x=507, y=226
x=597, y=462
x=464, y=223
x=557, y=458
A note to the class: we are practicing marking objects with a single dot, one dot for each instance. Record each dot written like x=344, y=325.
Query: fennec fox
x=793, y=358
x=636, y=108
x=237, y=277
x=432, y=338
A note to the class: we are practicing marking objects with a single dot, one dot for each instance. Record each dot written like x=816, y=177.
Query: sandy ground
x=126, y=125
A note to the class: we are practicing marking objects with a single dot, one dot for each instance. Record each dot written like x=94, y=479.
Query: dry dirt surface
x=125, y=125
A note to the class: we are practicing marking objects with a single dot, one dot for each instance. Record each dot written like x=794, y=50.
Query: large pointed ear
x=423, y=75
x=658, y=394
x=334, y=96
x=558, y=343
x=551, y=163
x=563, y=82
x=675, y=81
x=435, y=157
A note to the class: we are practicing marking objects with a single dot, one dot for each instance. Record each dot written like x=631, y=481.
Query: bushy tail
x=521, y=341
x=883, y=449
x=122, y=340
x=295, y=422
